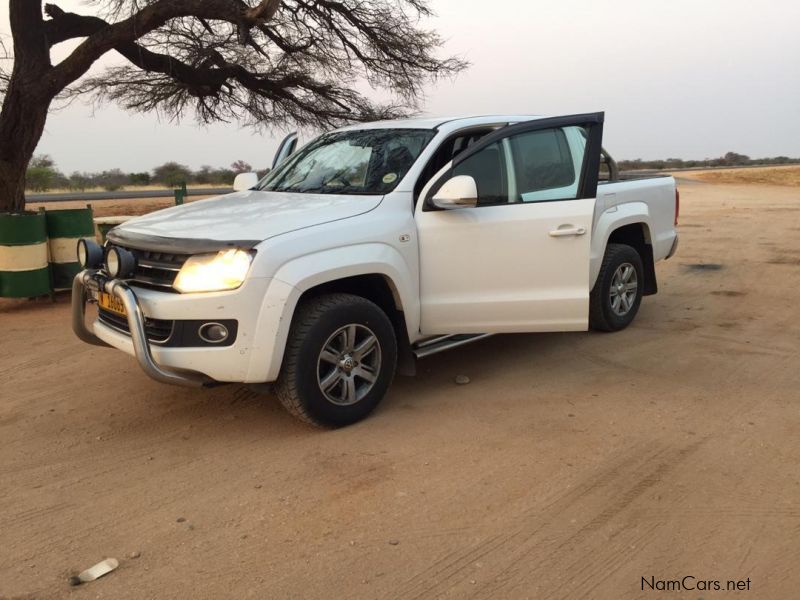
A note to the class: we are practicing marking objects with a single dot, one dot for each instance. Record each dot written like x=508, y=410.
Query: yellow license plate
x=109, y=302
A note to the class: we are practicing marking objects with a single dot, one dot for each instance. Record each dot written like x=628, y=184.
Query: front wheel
x=339, y=361
x=617, y=293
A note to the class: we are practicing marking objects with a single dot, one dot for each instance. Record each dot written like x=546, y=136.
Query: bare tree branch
x=311, y=53
x=265, y=62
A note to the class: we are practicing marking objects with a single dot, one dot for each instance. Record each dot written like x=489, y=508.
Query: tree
x=80, y=182
x=172, y=174
x=267, y=62
x=111, y=180
x=203, y=175
x=42, y=174
x=241, y=166
x=42, y=161
x=734, y=158
x=222, y=176
x=139, y=178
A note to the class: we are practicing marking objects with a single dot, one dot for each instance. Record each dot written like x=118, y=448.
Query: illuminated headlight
x=225, y=270
x=90, y=255
x=120, y=263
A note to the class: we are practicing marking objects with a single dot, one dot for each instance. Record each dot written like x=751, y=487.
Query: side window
x=489, y=170
x=546, y=165
x=449, y=149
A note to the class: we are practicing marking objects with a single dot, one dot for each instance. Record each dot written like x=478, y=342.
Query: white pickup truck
x=377, y=244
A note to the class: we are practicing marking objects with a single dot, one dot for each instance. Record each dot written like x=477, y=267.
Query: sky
x=684, y=78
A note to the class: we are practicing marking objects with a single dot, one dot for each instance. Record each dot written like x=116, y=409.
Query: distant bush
x=139, y=178
x=42, y=174
x=41, y=179
x=112, y=180
x=80, y=181
x=207, y=175
x=731, y=159
x=172, y=174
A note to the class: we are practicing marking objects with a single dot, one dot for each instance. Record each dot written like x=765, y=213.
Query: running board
x=446, y=342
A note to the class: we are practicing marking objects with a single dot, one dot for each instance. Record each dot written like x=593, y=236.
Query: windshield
x=369, y=161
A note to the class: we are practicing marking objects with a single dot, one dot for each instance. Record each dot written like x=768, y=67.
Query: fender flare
x=630, y=213
x=301, y=274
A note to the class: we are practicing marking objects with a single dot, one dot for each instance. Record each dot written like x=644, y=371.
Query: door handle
x=567, y=231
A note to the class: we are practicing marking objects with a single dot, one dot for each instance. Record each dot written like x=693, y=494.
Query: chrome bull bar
x=96, y=281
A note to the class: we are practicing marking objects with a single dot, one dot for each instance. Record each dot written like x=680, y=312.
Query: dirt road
x=572, y=466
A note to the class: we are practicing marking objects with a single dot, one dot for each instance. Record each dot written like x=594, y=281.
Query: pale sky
x=684, y=78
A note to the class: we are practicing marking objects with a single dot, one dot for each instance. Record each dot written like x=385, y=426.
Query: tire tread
x=598, y=319
x=306, y=315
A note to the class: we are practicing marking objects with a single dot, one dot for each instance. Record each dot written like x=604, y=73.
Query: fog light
x=90, y=255
x=120, y=263
x=213, y=333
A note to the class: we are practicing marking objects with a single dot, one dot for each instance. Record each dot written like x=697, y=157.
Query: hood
x=252, y=216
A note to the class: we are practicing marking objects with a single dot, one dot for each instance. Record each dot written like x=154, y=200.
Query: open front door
x=519, y=259
x=286, y=149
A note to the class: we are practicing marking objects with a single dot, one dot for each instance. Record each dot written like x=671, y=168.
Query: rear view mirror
x=245, y=181
x=459, y=192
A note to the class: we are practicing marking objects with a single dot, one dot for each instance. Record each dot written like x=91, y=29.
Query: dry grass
x=783, y=175
x=114, y=208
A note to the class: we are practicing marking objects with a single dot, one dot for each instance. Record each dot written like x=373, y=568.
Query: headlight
x=225, y=270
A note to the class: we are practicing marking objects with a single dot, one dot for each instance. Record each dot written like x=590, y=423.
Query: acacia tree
x=267, y=62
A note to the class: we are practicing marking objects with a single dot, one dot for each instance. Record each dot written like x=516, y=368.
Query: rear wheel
x=617, y=292
x=339, y=362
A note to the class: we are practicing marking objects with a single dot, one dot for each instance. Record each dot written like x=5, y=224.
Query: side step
x=446, y=342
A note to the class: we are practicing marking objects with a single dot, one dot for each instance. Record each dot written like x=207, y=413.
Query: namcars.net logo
x=691, y=583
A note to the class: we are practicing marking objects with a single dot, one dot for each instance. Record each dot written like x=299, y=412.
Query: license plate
x=109, y=302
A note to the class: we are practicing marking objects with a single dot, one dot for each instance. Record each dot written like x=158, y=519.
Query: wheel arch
x=628, y=224
x=381, y=290
x=376, y=272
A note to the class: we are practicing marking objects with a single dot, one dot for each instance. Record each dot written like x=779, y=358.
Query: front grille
x=158, y=331
x=157, y=270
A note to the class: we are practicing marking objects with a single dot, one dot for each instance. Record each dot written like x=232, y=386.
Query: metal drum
x=65, y=228
x=24, y=270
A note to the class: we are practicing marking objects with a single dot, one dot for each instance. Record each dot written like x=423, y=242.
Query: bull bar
x=97, y=281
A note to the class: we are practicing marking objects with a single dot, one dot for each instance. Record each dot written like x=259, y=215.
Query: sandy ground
x=572, y=466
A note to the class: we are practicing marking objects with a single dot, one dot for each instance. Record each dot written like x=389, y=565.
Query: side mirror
x=287, y=147
x=458, y=192
x=245, y=181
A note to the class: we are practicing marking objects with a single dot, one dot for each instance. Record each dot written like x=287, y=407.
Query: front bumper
x=96, y=282
x=261, y=306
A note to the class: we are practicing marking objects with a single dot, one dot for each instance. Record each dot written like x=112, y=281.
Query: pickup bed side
x=646, y=203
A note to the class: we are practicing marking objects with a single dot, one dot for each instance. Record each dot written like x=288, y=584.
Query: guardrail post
x=180, y=194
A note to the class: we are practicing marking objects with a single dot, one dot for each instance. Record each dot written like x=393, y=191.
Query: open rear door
x=519, y=260
x=286, y=149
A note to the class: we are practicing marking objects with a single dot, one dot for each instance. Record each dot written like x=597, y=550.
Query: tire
x=324, y=378
x=611, y=307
